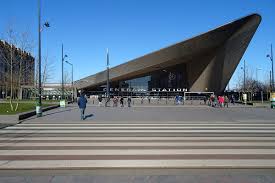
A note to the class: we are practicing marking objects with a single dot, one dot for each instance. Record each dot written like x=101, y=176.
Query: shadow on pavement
x=4, y=125
x=58, y=112
x=89, y=116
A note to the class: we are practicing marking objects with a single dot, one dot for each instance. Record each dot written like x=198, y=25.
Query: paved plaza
x=165, y=114
x=141, y=144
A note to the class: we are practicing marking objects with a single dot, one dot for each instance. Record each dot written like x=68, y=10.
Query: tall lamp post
x=270, y=80
x=108, y=82
x=257, y=83
x=243, y=68
x=257, y=69
x=63, y=58
x=271, y=59
x=244, y=82
x=72, y=79
x=40, y=28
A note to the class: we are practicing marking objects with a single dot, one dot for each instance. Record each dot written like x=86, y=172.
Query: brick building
x=17, y=69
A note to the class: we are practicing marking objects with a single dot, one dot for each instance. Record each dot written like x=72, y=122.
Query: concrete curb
x=26, y=115
x=4, y=125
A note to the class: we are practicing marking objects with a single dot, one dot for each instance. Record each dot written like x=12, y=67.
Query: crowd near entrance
x=148, y=98
x=130, y=98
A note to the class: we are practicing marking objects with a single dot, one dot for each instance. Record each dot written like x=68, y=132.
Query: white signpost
x=62, y=103
x=244, y=98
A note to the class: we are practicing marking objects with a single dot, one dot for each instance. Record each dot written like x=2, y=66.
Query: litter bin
x=38, y=109
x=272, y=100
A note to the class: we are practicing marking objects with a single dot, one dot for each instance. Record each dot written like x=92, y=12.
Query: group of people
x=82, y=102
x=213, y=100
x=115, y=101
x=220, y=101
x=121, y=101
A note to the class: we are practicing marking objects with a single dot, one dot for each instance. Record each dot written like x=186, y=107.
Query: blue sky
x=132, y=28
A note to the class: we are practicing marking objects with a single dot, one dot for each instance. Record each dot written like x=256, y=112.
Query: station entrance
x=153, y=97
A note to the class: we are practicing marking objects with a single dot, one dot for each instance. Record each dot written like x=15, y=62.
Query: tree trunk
x=11, y=78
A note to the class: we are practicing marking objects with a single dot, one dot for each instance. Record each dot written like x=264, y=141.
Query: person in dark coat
x=129, y=101
x=121, y=102
x=82, y=101
x=100, y=100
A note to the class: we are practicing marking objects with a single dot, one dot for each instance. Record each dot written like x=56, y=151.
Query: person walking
x=129, y=101
x=222, y=101
x=212, y=98
x=204, y=100
x=233, y=99
x=121, y=102
x=215, y=101
x=82, y=101
x=99, y=100
x=115, y=100
x=177, y=99
x=226, y=101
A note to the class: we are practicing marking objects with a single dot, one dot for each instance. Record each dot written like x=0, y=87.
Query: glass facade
x=166, y=78
x=160, y=82
x=138, y=84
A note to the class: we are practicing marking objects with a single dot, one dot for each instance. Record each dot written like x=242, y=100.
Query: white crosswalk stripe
x=62, y=145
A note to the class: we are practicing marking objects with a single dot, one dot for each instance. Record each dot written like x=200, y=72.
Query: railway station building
x=204, y=63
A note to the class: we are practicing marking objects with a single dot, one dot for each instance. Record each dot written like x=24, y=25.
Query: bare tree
x=26, y=45
x=47, y=70
x=67, y=81
x=8, y=57
x=67, y=77
x=249, y=81
x=16, y=58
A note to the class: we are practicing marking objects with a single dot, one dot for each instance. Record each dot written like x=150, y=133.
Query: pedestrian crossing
x=174, y=144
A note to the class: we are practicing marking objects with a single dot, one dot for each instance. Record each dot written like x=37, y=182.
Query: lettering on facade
x=169, y=90
x=143, y=90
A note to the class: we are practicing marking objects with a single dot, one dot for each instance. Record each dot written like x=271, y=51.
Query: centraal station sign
x=143, y=90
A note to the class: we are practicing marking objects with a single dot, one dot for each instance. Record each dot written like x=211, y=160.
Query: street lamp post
x=257, y=83
x=38, y=107
x=257, y=69
x=62, y=87
x=72, y=79
x=108, y=82
x=271, y=59
x=270, y=80
x=243, y=68
x=46, y=24
x=244, y=82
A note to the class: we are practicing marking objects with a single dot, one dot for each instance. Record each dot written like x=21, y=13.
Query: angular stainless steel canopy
x=211, y=58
